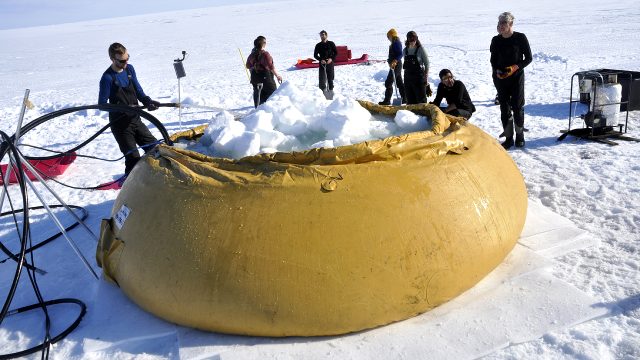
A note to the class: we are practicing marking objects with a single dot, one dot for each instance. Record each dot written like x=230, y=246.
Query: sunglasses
x=123, y=61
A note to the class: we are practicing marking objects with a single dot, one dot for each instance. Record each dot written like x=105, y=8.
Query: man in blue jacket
x=119, y=85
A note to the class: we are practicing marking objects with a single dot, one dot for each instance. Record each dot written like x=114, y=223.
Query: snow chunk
x=347, y=120
x=410, y=122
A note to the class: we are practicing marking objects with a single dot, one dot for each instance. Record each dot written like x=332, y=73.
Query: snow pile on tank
x=294, y=119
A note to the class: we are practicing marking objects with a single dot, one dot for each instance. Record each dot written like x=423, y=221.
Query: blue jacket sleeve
x=396, y=49
x=105, y=89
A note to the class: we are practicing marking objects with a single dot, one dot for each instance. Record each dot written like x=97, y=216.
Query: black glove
x=429, y=92
x=150, y=104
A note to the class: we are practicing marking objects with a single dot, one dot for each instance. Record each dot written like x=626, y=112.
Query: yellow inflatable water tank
x=321, y=242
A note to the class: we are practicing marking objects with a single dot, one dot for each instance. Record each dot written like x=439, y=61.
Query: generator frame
x=600, y=133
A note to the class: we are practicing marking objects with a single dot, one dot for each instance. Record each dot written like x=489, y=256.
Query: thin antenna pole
x=179, y=107
x=15, y=142
x=243, y=65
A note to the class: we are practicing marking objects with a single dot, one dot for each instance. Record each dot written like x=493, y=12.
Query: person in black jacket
x=458, y=99
x=510, y=54
x=325, y=52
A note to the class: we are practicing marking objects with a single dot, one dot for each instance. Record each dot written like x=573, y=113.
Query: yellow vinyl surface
x=320, y=242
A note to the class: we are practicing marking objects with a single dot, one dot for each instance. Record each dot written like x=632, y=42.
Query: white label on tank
x=121, y=216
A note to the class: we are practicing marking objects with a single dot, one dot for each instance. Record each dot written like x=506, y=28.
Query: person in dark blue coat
x=453, y=90
x=395, y=68
x=119, y=85
x=510, y=54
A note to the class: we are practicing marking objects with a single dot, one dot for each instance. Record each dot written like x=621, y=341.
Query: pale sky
x=27, y=13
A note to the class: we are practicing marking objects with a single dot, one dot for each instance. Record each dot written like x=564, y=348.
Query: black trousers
x=388, y=83
x=129, y=133
x=415, y=88
x=324, y=78
x=268, y=86
x=457, y=112
x=511, y=97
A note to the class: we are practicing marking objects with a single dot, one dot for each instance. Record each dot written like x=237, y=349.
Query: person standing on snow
x=260, y=63
x=325, y=52
x=395, y=68
x=119, y=85
x=458, y=99
x=510, y=54
x=416, y=70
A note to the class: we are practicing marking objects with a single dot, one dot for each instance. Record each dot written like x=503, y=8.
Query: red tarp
x=342, y=58
x=47, y=168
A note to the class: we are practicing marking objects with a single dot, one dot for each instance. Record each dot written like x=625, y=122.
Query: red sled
x=47, y=168
x=343, y=58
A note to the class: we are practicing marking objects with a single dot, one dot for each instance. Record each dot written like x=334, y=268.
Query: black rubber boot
x=507, y=144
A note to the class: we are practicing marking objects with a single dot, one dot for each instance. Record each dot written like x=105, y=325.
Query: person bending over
x=458, y=99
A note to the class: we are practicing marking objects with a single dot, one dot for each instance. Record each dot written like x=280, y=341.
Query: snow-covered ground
x=593, y=185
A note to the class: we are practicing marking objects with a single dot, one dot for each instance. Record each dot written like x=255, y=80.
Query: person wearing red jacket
x=262, y=69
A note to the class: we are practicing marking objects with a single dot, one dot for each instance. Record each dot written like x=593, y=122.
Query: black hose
x=8, y=147
x=84, y=214
x=104, y=107
x=53, y=340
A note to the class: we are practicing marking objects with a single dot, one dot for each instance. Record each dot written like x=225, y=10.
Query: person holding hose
x=119, y=85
